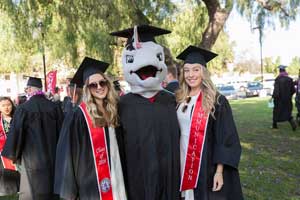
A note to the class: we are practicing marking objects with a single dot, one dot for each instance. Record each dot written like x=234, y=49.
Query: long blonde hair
x=109, y=104
x=207, y=87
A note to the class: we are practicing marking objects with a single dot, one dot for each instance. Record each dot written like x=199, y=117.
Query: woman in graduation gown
x=88, y=165
x=209, y=145
x=9, y=176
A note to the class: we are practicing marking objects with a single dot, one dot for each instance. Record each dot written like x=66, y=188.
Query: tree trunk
x=217, y=19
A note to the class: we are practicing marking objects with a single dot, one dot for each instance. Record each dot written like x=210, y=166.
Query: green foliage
x=265, y=13
x=224, y=48
x=12, y=55
x=184, y=30
x=270, y=64
x=187, y=32
x=72, y=29
x=294, y=67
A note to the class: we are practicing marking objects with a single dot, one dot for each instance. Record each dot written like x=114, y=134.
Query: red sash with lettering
x=192, y=164
x=7, y=163
x=100, y=154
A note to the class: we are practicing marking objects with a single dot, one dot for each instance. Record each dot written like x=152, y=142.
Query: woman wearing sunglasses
x=88, y=163
x=209, y=145
x=9, y=176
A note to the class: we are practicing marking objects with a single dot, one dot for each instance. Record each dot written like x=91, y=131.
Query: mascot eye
x=159, y=56
x=129, y=59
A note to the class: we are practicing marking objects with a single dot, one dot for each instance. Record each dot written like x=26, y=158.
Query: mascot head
x=143, y=59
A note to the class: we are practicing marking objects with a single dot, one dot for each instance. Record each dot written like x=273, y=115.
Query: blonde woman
x=209, y=145
x=88, y=163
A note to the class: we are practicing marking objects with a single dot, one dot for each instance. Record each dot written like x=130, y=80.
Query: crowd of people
x=149, y=144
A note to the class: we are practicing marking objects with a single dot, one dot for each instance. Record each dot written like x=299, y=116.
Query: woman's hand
x=218, y=178
x=218, y=181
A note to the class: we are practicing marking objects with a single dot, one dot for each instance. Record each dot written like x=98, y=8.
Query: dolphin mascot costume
x=149, y=131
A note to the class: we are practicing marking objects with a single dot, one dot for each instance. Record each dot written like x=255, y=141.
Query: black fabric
x=145, y=32
x=193, y=54
x=35, y=82
x=9, y=181
x=282, y=94
x=88, y=67
x=75, y=175
x=222, y=146
x=67, y=104
x=149, y=147
x=172, y=87
x=32, y=138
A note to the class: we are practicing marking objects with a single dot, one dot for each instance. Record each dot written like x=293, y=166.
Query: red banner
x=51, y=81
x=7, y=163
x=100, y=154
x=195, y=147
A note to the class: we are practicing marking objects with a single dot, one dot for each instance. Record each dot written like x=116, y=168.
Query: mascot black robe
x=149, y=146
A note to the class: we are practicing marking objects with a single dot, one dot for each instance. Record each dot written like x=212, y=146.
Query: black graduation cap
x=88, y=67
x=146, y=33
x=34, y=82
x=282, y=67
x=194, y=54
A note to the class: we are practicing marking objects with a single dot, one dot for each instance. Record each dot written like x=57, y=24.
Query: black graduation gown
x=32, y=142
x=282, y=94
x=67, y=105
x=222, y=145
x=173, y=86
x=75, y=175
x=149, y=147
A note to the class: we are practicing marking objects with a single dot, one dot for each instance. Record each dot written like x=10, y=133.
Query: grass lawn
x=270, y=163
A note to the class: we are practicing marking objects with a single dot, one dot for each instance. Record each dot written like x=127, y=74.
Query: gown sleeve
x=227, y=148
x=67, y=156
x=275, y=94
x=16, y=137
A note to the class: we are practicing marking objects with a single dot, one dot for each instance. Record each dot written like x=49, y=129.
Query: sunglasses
x=187, y=101
x=95, y=85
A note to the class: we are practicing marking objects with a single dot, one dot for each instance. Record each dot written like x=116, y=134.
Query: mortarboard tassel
x=136, y=44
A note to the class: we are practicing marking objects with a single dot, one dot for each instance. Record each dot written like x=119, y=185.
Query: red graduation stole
x=192, y=163
x=101, y=161
x=7, y=163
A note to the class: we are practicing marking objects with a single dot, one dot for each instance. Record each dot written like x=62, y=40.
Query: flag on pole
x=51, y=81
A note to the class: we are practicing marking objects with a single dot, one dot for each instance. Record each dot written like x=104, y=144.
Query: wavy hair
x=207, y=87
x=109, y=104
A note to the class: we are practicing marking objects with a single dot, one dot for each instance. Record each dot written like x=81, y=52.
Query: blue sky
x=279, y=42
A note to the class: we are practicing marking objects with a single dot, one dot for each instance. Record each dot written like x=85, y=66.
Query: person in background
x=297, y=98
x=282, y=95
x=118, y=88
x=171, y=79
x=210, y=148
x=9, y=176
x=73, y=98
x=88, y=165
x=32, y=140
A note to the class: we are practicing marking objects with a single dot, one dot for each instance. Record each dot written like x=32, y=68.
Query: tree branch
x=273, y=6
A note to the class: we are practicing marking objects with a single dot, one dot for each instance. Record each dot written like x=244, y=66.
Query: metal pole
x=261, y=56
x=40, y=26
x=44, y=61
